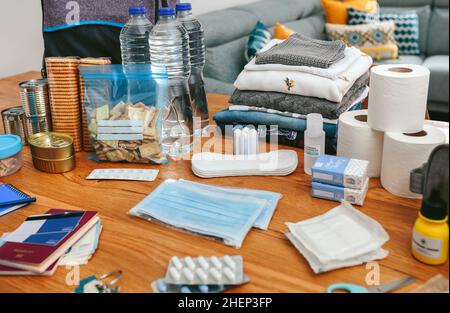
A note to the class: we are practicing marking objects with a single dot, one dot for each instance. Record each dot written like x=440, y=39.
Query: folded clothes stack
x=290, y=79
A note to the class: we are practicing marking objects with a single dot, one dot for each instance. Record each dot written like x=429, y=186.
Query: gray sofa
x=227, y=31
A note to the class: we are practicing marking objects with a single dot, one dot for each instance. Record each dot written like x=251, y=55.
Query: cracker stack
x=85, y=132
x=63, y=78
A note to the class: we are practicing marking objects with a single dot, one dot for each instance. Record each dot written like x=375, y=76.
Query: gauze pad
x=275, y=163
x=342, y=236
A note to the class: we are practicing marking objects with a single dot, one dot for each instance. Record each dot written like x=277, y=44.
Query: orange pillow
x=282, y=32
x=336, y=11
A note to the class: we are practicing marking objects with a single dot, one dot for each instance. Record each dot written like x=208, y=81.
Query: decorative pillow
x=336, y=11
x=377, y=39
x=258, y=39
x=406, y=32
x=282, y=32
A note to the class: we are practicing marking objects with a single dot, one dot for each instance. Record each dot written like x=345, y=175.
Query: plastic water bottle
x=314, y=141
x=197, y=50
x=134, y=37
x=169, y=48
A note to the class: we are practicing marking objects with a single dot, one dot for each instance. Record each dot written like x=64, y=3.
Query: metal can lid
x=13, y=112
x=51, y=140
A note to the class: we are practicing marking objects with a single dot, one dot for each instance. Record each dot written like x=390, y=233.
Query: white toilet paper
x=404, y=152
x=398, y=97
x=443, y=127
x=357, y=140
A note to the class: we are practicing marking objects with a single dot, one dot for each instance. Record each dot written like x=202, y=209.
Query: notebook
x=38, y=258
x=5, y=209
x=9, y=195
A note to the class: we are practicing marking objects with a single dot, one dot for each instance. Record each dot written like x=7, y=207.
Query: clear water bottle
x=169, y=48
x=134, y=37
x=197, y=50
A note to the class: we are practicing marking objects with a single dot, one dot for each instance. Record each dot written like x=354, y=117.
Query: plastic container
x=169, y=45
x=314, y=140
x=198, y=59
x=10, y=154
x=134, y=37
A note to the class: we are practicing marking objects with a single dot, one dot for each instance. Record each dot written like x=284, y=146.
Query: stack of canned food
x=33, y=116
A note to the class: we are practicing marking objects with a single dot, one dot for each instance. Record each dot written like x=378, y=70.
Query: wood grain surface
x=143, y=249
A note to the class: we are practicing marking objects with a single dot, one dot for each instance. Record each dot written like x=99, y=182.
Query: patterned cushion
x=376, y=39
x=406, y=27
x=336, y=10
x=258, y=39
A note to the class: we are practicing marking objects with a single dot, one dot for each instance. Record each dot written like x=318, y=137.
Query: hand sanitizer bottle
x=314, y=140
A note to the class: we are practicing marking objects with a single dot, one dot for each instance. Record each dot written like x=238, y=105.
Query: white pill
x=229, y=274
x=203, y=276
x=216, y=274
x=216, y=262
x=189, y=262
x=177, y=263
x=229, y=262
x=188, y=274
x=175, y=274
x=203, y=263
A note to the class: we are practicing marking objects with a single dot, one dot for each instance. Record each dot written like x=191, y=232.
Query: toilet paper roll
x=398, y=97
x=358, y=141
x=403, y=153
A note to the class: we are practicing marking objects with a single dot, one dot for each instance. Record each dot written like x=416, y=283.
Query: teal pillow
x=258, y=39
x=406, y=27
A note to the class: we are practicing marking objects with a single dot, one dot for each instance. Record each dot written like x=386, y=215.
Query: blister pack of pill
x=124, y=174
x=227, y=270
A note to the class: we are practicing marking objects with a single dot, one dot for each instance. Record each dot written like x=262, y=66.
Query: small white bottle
x=314, y=140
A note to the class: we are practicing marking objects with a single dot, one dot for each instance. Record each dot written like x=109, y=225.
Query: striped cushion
x=259, y=38
x=406, y=27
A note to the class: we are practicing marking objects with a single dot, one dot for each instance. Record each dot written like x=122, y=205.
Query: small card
x=124, y=174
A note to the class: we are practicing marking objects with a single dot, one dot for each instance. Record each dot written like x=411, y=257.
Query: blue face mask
x=271, y=198
x=206, y=211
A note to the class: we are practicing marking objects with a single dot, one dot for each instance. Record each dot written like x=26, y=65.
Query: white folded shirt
x=333, y=72
x=304, y=84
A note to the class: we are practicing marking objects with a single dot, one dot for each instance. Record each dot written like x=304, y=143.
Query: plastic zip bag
x=124, y=107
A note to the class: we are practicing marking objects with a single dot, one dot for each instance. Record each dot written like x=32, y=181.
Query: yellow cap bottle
x=430, y=234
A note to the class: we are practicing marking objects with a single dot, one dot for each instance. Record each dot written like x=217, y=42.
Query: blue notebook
x=9, y=195
x=5, y=209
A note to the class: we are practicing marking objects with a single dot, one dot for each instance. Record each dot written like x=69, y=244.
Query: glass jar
x=10, y=154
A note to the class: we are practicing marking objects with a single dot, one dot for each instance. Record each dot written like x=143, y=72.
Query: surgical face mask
x=208, y=212
x=342, y=237
x=271, y=198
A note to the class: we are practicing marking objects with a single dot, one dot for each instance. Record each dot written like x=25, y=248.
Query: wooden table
x=142, y=249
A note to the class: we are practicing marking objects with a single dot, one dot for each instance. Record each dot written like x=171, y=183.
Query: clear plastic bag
x=124, y=108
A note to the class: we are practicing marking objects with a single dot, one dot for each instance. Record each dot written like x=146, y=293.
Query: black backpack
x=88, y=28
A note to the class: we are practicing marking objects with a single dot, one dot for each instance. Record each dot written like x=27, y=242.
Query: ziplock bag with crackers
x=124, y=112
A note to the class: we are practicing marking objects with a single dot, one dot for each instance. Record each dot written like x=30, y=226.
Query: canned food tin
x=14, y=122
x=54, y=166
x=35, y=97
x=52, y=152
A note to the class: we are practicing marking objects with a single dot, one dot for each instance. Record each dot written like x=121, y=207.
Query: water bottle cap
x=184, y=7
x=137, y=10
x=166, y=11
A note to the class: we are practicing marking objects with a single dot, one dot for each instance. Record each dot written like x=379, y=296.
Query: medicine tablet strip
x=124, y=174
x=227, y=270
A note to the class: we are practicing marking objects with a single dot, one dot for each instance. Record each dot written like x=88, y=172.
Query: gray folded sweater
x=300, y=50
x=301, y=104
